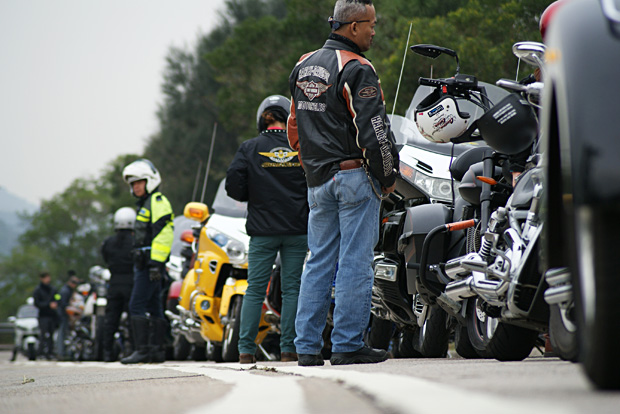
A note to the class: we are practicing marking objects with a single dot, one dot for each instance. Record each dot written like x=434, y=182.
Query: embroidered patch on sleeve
x=368, y=92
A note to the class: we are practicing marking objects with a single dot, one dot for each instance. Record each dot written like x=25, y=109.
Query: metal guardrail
x=7, y=333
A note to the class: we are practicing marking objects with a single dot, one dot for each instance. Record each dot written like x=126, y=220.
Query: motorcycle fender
x=237, y=288
x=30, y=339
x=419, y=221
x=187, y=287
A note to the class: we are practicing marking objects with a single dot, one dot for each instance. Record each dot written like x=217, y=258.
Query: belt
x=350, y=164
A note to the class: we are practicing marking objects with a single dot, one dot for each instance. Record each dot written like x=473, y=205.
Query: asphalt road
x=451, y=385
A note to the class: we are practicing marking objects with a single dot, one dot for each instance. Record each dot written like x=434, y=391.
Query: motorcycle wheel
x=598, y=295
x=563, y=334
x=380, y=333
x=496, y=339
x=214, y=352
x=462, y=344
x=402, y=345
x=431, y=340
x=98, y=341
x=181, y=348
x=230, y=350
x=198, y=353
x=32, y=352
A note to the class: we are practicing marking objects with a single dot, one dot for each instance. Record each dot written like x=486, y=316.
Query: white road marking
x=391, y=392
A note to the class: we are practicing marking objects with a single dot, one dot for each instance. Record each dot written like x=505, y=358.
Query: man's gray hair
x=349, y=10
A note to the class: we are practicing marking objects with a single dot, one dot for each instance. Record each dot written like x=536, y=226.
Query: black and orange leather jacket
x=338, y=113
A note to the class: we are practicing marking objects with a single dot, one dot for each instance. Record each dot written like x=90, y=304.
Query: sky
x=80, y=83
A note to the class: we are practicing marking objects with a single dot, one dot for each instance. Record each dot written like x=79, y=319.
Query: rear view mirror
x=433, y=51
x=196, y=211
x=532, y=53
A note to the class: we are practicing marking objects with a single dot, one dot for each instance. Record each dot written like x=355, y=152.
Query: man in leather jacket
x=153, y=233
x=338, y=122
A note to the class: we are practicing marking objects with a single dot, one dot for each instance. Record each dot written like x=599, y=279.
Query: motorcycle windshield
x=226, y=206
x=27, y=311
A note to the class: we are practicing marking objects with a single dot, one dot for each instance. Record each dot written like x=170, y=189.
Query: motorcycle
x=86, y=310
x=580, y=138
x=27, y=333
x=212, y=292
x=424, y=198
x=495, y=290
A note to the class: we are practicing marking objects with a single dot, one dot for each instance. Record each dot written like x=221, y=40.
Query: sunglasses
x=335, y=24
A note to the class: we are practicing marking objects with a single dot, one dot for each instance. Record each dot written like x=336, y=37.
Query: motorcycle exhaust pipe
x=560, y=287
x=489, y=290
x=460, y=290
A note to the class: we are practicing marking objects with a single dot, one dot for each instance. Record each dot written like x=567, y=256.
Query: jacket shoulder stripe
x=344, y=57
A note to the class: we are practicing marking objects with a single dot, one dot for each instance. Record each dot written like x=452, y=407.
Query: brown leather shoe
x=247, y=359
x=288, y=356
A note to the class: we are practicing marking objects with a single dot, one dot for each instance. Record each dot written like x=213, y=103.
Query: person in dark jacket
x=66, y=293
x=338, y=122
x=46, y=299
x=267, y=174
x=153, y=233
x=117, y=254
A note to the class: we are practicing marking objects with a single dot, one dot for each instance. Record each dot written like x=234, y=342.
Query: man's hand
x=389, y=189
x=155, y=273
x=53, y=305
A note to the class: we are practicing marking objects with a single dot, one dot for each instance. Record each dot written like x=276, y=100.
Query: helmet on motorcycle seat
x=547, y=16
x=279, y=106
x=124, y=218
x=510, y=127
x=439, y=119
x=142, y=169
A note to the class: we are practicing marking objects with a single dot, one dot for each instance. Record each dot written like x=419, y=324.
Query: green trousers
x=262, y=255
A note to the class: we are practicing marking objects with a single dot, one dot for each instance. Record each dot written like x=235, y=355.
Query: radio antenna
x=402, y=68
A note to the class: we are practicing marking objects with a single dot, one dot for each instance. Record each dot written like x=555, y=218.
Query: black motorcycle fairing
x=463, y=162
x=419, y=221
x=470, y=187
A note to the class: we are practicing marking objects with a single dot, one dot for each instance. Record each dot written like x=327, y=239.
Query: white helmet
x=440, y=120
x=124, y=218
x=142, y=169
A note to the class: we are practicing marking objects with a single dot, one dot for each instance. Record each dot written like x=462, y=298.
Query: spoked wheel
x=496, y=339
x=431, y=340
x=230, y=350
x=599, y=294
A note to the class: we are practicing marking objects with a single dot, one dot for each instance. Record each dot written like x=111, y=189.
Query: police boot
x=157, y=339
x=140, y=326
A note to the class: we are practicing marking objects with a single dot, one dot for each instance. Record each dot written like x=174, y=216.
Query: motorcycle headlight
x=436, y=188
x=236, y=251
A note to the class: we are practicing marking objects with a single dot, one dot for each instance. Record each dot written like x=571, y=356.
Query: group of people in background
x=313, y=179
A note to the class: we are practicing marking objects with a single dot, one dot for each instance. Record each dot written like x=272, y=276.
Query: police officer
x=117, y=253
x=153, y=233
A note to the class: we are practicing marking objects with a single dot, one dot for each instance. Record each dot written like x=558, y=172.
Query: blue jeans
x=343, y=229
x=145, y=295
x=262, y=255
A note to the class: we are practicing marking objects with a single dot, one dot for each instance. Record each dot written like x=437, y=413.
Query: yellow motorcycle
x=212, y=291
